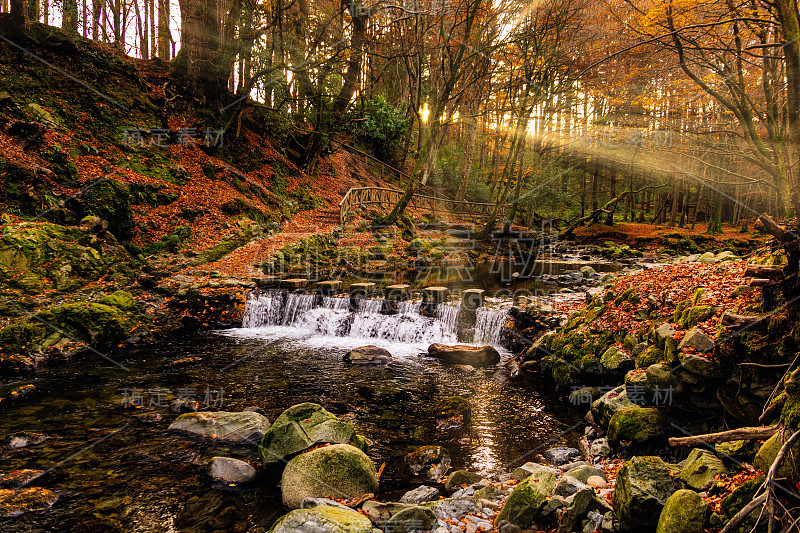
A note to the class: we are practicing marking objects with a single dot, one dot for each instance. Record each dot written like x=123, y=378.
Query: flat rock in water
x=431, y=462
x=561, y=455
x=14, y=502
x=230, y=470
x=465, y=355
x=368, y=355
x=222, y=425
x=18, y=477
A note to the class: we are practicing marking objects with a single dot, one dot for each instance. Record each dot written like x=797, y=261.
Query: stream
x=119, y=469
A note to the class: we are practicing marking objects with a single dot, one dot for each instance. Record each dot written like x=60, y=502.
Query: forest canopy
x=677, y=111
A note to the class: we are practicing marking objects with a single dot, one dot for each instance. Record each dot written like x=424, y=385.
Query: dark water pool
x=120, y=469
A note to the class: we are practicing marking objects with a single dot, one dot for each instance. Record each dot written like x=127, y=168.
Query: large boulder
x=609, y=403
x=465, y=355
x=430, y=462
x=526, y=501
x=790, y=467
x=642, y=488
x=337, y=471
x=700, y=468
x=299, y=428
x=368, y=355
x=637, y=424
x=684, y=512
x=245, y=427
x=323, y=519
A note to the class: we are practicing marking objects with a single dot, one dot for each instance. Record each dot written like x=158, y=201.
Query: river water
x=119, y=469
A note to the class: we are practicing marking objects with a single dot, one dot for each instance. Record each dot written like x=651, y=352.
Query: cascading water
x=332, y=317
x=488, y=325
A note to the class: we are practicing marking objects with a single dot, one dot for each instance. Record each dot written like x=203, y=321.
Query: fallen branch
x=725, y=436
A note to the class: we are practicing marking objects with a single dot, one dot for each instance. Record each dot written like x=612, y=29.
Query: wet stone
x=229, y=470
x=14, y=502
x=421, y=494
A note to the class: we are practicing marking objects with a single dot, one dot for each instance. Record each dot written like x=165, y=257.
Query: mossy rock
x=790, y=468
x=637, y=424
x=38, y=256
x=111, y=200
x=300, y=427
x=693, y=315
x=617, y=361
x=603, y=408
x=643, y=486
x=650, y=356
x=122, y=300
x=336, y=471
x=684, y=512
x=323, y=519
x=419, y=247
x=700, y=469
x=100, y=325
x=741, y=496
x=459, y=478
x=416, y=518
x=523, y=506
x=561, y=371
x=737, y=450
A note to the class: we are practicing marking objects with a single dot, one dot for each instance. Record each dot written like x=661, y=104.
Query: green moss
x=97, y=324
x=637, y=424
x=20, y=338
x=122, y=300
x=650, y=356
x=111, y=200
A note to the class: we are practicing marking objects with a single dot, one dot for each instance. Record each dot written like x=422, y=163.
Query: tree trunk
x=354, y=61
x=163, y=30
x=466, y=169
x=69, y=19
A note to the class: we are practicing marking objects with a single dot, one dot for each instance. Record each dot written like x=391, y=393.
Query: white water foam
x=329, y=322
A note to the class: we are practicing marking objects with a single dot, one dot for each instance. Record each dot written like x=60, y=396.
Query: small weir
x=392, y=320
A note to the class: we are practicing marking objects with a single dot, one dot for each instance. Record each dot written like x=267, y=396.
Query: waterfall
x=330, y=316
x=488, y=325
x=447, y=313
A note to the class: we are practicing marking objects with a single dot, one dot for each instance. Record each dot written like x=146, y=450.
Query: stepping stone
x=362, y=288
x=328, y=287
x=294, y=284
x=435, y=294
x=398, y=292
x=472, y=298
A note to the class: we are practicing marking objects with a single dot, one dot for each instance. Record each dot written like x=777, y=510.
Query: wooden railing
x=386, y=198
